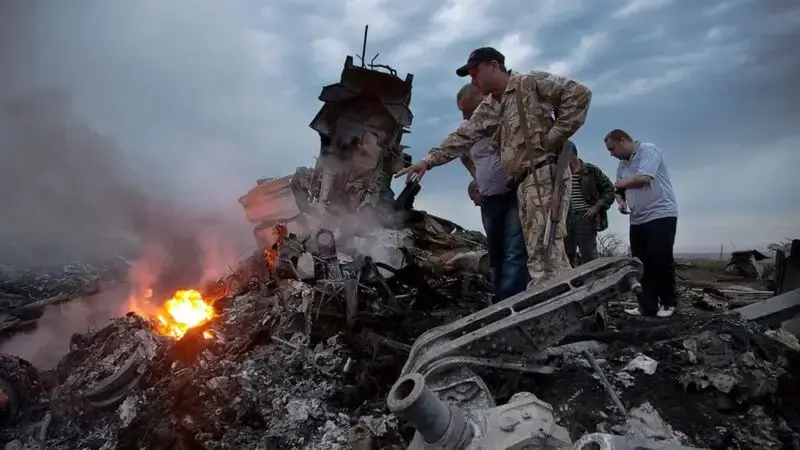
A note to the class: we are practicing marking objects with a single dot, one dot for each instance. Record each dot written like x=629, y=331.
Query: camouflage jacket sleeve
x=604, y=186
x=483, y=123
x=569, y=98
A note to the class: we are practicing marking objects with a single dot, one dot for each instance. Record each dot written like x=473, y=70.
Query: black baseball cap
x=478, y=56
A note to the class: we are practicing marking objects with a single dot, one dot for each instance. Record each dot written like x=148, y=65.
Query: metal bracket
x=547, y=313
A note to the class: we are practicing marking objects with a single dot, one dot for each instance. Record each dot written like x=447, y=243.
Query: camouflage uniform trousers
x=533, y=214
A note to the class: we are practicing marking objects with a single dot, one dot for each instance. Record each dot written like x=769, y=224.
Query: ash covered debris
x=713, y=382
x=260, y=375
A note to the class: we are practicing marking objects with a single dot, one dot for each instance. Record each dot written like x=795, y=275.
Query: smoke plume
x=106, y=149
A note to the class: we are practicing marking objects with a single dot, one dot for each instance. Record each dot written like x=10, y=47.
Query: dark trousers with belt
x=581, y=235
x=652, y=242
x=508, y=257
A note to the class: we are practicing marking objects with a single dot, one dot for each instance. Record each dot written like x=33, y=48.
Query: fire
x=271, y=258
x=187, y=309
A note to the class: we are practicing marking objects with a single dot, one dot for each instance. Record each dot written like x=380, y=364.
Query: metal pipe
x=414, y=402
x=634, y=285
x=364, y=47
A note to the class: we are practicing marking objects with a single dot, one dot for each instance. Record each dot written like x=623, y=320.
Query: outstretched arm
x=482, y=123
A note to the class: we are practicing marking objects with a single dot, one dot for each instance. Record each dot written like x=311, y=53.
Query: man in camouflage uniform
x=555, y=108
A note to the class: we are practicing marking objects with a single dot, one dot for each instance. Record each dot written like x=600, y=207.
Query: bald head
x=467, y=99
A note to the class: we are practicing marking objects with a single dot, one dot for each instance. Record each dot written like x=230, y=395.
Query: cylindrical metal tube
x=634, y=285
x=417, y=404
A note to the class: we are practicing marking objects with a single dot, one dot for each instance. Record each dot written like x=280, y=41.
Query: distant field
x=711, y=256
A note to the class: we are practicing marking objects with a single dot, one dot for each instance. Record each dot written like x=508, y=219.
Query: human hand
x=477, y=199
x=621, y=184
x=623, y=208
x=592, y=212
x=414, y=172
x=474, y=194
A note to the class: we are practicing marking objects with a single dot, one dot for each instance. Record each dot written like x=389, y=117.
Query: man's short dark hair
x=617, y=135
x=465, y=90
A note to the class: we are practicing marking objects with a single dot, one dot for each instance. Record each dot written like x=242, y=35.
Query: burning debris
x=187, y=309
x=359, y=316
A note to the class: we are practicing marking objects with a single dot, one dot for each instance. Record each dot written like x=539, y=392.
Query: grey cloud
x=706, y=102
x=177, y=83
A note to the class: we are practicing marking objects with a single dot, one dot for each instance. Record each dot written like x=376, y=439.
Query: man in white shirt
x=644, y=188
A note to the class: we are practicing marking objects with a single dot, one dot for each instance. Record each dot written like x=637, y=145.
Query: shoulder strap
x=523, y=126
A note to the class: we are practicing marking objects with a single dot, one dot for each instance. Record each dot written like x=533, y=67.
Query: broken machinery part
x=554, y=309
x=505, y=335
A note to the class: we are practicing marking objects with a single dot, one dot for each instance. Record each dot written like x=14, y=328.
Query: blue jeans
x=508, y=257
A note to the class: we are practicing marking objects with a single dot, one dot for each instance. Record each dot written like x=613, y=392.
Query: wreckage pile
x=352, y=289
x=279, y=367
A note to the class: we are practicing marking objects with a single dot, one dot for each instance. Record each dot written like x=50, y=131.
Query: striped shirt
x=578, y=202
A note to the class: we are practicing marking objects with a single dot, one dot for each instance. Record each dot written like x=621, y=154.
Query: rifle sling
x=526, y=138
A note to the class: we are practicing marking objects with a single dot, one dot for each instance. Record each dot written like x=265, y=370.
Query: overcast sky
x=205, y=96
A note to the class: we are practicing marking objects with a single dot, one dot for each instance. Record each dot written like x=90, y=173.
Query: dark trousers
x=652, y=243
x=508, y=257
x=581, y=235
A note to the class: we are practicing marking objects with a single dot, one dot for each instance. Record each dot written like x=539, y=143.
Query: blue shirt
x=489, y=174
x=653, y=201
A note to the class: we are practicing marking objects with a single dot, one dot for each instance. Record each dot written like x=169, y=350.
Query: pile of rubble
x=279, y=367
x=362, y=323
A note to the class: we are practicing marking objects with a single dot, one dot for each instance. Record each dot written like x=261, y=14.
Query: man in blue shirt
x=644, y=191
x=499, y=212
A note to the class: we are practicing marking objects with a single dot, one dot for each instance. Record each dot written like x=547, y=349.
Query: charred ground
x=285, y=370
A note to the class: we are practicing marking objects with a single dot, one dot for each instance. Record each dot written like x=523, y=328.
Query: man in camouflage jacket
x=555, y=108
x=592, y=196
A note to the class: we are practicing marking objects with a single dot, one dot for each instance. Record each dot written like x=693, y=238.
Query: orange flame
x=187, y=309
x=271, y=258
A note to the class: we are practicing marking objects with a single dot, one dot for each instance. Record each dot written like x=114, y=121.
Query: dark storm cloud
x=773, y=85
